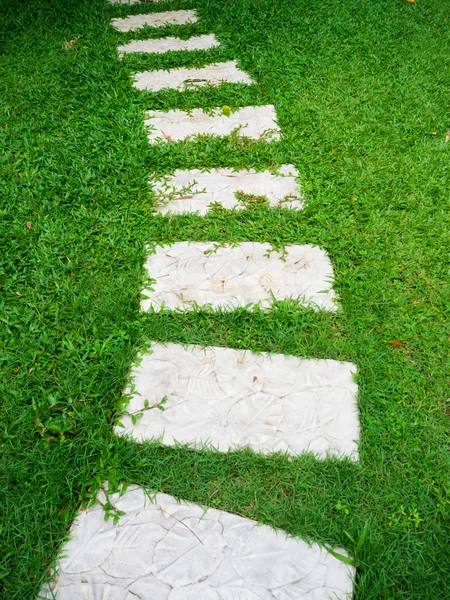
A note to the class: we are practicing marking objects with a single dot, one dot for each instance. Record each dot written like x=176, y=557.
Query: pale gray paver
x=202, y=273
x=159, y=19
x=235, y=398
x=195, y=190
x=187, y=78
x=255, y=122
x=132, y=1
x=167, y=44
x=164, y=550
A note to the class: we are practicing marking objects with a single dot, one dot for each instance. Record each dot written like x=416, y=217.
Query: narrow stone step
x=185, y=78
x=134, y=1
x=204, y=274
x=169, y=44
x=195, y=190
x=164, y=550
x=255, y=122
x=172, y=17
x=235, y=398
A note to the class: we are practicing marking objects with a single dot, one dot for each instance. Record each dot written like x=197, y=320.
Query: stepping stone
x=255, y=122
x=204, y=274
x=132, y=1
x=196, y=190
x=174, y=44
x=183, y=78
x=172, y=17
x=235, y=398
x=165, y=550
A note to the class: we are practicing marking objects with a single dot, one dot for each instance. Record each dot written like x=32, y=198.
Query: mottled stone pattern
x=133, y=1
x=229, y=277
x=255, y=122
x=195, y=190
x=234, y=398
x=168, y=44
x=130, y=1
x=170, y=551
x=186, y=78
x=172, y=17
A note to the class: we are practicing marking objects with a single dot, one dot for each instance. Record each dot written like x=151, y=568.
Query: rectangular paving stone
x=235, y=398
x=170, y=44
x=172, y=17
x=133, y=1
x=255, y=122
x=195, y=190
x=204, y=274
x=164, y=550
x=186, y=78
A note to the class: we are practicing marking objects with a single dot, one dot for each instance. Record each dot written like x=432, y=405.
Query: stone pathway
x=161, y=549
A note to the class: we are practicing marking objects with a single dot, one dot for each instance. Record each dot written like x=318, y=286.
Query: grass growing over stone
x=361, y=89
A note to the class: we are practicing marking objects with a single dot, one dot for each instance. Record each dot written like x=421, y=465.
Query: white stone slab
x=228, y=277
x=235, y=398
x=164, y=550
x=132, y=1
x=196, y=190
x=167, y=44
x=172, y=17
x=184, y=78
x=254, y=122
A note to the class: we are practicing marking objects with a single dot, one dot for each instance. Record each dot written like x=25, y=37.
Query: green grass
x=359, y=87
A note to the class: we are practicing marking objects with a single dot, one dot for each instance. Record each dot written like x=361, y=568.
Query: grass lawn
x=361, y=88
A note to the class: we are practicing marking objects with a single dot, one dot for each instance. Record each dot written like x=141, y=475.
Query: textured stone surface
x=229, y=277
x=167, y=44
x=132, y=1
x=191, y=191
x=170, y=551
x=183, y=78
x=234, y=398
x=175, y=125
x=172, y=17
